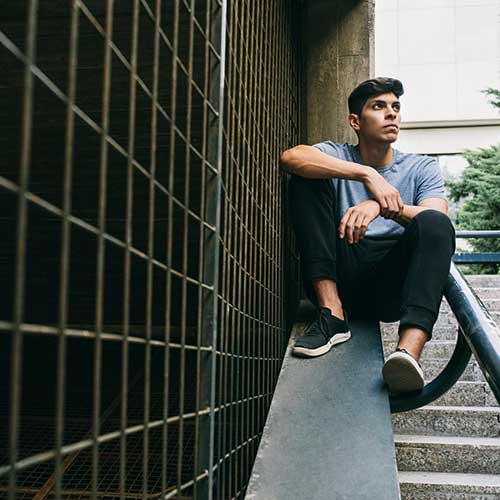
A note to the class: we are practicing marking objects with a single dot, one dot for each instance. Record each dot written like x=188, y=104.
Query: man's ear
x=354, y=121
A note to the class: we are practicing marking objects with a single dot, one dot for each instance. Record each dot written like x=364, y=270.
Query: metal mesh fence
x=261, y=119
x=146, y=266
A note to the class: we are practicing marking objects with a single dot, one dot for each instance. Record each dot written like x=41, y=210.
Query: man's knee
x=435, y=221
x=436, y=226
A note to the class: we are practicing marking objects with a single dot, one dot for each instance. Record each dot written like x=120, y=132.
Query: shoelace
x=313, y=329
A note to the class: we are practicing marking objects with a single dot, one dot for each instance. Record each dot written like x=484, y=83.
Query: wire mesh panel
x=144, y=259
x=262, y=105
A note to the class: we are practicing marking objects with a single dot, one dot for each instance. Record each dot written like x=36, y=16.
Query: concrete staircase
x=451, y=448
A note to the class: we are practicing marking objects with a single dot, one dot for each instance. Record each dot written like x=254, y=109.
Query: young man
x=373, y=233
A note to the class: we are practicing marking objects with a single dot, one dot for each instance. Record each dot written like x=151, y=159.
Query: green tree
x=479, y=188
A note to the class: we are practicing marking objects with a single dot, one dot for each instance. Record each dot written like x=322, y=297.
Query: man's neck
x=376, y=155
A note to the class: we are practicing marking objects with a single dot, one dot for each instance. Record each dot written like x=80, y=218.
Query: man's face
x=380, y=118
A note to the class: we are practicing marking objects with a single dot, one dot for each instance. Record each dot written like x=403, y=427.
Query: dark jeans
x=385, y=279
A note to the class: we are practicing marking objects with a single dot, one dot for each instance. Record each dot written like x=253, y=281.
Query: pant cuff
x=418, y=317
x=314, y=270
x=320, y=269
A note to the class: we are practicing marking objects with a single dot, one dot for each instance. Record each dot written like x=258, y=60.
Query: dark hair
x=371, y=88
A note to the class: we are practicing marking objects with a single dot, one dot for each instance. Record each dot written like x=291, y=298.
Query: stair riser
x=487, y=293
x=445, y=327
x=477, y=280
x=447, y=423
x=491, y=302
x=421, y=491
x=432, y=368
x=476, y=394
x=390, y=332
x=448, y=458
x=446, y=318
x=432, y=350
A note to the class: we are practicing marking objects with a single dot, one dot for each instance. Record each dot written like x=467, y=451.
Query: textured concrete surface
x=467, y=394
x=433, y=367
x=449, y=421
x=327, y=414
x=483, y=280
x=339, y=54
x=487, y=293
x=448, y=454
x=449, y=486
x=489, y=299
x=390, y=331
x=437, y=349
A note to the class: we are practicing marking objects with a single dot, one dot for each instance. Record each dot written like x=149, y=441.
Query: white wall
x=444, y=52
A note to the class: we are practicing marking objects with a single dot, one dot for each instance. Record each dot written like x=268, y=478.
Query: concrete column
x=339, y=54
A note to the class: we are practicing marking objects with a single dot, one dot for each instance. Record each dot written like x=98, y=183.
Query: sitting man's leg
x=312, y=208
x=412, y=277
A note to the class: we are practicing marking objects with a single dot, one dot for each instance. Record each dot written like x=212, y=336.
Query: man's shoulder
x=335, y=148
x=417, y=165
x=415, y=158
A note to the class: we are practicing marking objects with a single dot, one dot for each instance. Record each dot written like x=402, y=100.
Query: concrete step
x=449, y=421
x=468, y=455
x=389, y=331
x=435, y=349
x=491, y=303
x=465, y=393
x=448, y=318
x=487, y=293
x=483, y=280
x=433, y=367
x=449, y=486
x=450, y=450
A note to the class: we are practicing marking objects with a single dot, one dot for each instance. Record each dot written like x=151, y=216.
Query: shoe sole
x=319, y=351
x=402, y=373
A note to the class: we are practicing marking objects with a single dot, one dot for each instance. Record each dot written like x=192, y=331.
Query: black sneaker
x=321, y=335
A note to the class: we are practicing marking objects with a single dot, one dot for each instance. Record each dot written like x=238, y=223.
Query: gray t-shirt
x=415, y=176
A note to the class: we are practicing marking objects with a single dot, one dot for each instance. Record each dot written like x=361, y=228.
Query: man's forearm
x=310, y=162
x=407, y=214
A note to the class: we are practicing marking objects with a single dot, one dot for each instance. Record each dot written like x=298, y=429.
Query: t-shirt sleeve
x=328, y=147
x=333, y=149
x=430, y=182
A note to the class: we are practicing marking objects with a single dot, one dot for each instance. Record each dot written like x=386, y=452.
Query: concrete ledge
x=328, y=425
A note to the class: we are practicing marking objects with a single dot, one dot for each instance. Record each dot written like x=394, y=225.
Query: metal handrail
x=478, y=234
x=477, y=333
x=477, y=257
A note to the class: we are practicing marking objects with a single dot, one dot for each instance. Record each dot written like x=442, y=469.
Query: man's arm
x=409, y=211
x=308, y=161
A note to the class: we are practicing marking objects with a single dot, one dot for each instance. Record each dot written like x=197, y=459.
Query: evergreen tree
x=480, y=190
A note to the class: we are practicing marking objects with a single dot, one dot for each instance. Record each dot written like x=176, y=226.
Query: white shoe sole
x=402, y=373
x=319, y=351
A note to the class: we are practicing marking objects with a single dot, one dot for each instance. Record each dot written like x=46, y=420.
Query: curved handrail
x=477, y=334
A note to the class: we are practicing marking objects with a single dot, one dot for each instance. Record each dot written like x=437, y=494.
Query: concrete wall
x=339, y=54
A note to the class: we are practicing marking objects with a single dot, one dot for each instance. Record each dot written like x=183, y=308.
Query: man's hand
x=387, y=214
x=387, y=196
x=356, y=219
